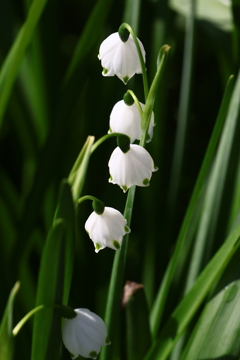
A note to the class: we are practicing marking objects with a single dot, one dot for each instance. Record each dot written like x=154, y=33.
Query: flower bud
x=123, y=33
x=123, y=142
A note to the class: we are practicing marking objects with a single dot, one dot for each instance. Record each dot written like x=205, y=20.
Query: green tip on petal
x=93, y=354
x=145, y=182
x=124, y=187
x=116, y=244
x=128, y=99
x=105, y=71
x=111, y=178
x=97, y=246
x=155, y=168
x=126, y=229
x=125, y=79
x=123, y=33
x=108, y=342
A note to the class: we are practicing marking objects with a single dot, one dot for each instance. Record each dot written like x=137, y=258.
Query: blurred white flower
x=107, y=229
x=126, y=119
x=120, y=58
x=133, y=167
x=85, y=334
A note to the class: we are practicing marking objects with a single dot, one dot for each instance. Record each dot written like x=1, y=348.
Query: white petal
x=126, y=120
x=106, y=228
x=132, y=168
x=84, y=334
x=120, y=58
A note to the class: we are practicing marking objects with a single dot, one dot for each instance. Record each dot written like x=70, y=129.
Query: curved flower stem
x=18, y=327
x=87, y=197
x=66, y=311
x=136, y=101
x=102, y=139
x=144, y=73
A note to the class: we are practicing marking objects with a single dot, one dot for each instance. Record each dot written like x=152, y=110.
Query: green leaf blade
x=217, y=332
x=6, y=337
x=50, y=291
x=66, y=211
x=137, y=321
x=12, y=62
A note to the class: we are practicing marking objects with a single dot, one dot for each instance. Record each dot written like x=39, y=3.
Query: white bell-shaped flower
x=133, y=167
x=120, y=58
x=126, y=119
x=85, y=334
x=107, y=229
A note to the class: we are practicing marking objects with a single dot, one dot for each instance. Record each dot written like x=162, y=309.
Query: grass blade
x=183, y=314
x=217, y=332
x=6, y=337
x=159, y=304
x=12, y=63
x=44, y=344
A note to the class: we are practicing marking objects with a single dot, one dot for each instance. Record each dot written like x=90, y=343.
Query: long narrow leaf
x=137, y=321
x=89, y=35
x=183, y=314
x=66, y=211
x=214, y=192
x=159, y=304
x=11, y=65
x=6, y=337
x=224, y=149
x=217, y=332
x=50, y=291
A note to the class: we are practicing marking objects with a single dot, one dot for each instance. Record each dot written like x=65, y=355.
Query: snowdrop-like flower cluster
x=107, y=229
x=85, y=334
x=132, y=165
x=129, y=164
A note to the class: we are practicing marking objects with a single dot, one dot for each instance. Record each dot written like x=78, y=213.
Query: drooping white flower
x=107, y=229
x=133, y=167
x=85, y=334
x=120, y=58
x=126, y=119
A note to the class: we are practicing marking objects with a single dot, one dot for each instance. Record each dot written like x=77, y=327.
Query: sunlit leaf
x=217, y=12
x=217, y=333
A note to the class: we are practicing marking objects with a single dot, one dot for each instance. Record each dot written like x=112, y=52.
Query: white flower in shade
x=133, y=167
x=126, y=119
x=107, y=229
x=120, y=58
x=85, y=334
